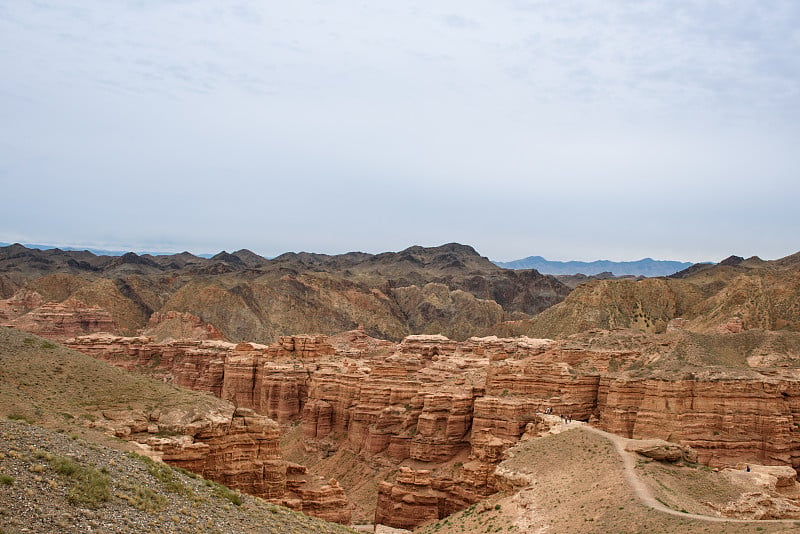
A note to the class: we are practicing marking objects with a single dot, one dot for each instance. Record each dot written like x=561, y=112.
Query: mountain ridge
x=644, y=267
x=449, y=289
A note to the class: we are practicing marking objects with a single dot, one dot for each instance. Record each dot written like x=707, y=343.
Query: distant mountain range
x=645, y=267
x=99, y=251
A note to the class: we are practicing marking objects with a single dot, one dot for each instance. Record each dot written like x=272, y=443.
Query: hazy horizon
x=140, y=251
x=571, y=130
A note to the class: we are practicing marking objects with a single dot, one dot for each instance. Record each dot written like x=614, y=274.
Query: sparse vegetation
x=89, y=485
x=224, y=492
x=69, y=493
x=145, y=499
x=19, y=417
x=165, y=474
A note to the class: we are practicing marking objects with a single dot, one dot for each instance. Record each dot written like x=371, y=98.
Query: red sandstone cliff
x=58, y=321
x=429, y=400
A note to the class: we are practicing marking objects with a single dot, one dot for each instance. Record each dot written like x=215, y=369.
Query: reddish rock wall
x=62, y=320
x=428, y=400
x=725, y=420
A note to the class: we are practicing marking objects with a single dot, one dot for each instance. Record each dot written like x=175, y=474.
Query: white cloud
x=402, y=123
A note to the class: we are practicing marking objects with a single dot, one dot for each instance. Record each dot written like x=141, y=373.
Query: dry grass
x=48, y=384
x=83, y=487
x=687, y=488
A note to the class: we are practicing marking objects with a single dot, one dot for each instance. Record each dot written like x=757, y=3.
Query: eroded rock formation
x=58, y=320
x=454, y=407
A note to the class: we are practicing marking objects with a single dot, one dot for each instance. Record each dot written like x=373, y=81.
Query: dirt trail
x=643, y=492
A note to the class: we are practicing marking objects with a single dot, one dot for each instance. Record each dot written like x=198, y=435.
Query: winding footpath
x=643, y=492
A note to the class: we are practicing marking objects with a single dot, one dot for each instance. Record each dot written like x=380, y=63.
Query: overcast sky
x=567, y=129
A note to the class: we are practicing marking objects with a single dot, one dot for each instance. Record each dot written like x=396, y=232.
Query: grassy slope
x=47, y=383
x=44, y=489
x=52, y=386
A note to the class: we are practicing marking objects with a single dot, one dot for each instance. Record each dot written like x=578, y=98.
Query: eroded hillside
x=449, y=289
x=734, y=295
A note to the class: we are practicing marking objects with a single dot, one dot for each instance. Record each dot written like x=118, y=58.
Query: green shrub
x=224, y=492
x=147, y=500
x=90, y=486
x=19, y=417
x=8, y=480
x=165, y=474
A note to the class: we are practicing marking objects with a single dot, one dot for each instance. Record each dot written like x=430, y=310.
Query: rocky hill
x=449, y=289
x=44, y=383
x=736, y=295
x=52, y=482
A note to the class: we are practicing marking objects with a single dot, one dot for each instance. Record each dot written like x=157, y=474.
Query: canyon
x=441, y=412
x=404, y=418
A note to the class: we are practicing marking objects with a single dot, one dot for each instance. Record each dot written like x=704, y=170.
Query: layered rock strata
x=235, y=447
x=61, y=320
x=430, y=401
x=725, y=420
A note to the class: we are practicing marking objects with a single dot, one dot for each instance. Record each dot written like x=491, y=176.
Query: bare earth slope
x=576, y=481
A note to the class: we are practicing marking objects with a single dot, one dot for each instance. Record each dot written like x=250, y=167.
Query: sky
x=574, y=130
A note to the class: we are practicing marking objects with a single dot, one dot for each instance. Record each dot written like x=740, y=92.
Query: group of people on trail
x=564, y=418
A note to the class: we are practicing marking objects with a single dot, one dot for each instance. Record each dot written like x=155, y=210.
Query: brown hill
x=735, y=294
x=449, y=289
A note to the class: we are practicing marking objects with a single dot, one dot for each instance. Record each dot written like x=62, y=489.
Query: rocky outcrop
x=20, y=303
x=317, y=496
x=725, y=420
x=662, y=451
x=760, y=505
x=239, y=449
x=162, y=326
x=417, y=496
x=410, y=500
x=243, y=453
x=63, y=320
x=546, y=383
